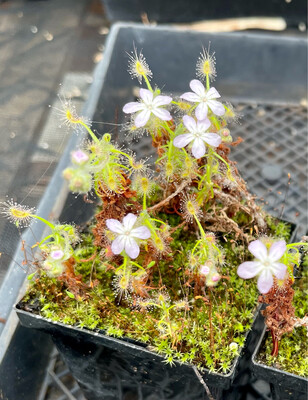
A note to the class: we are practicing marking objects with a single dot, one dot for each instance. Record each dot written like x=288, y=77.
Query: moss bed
x=208, y=334
x=293, y=349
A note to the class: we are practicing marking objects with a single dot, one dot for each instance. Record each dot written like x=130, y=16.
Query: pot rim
x=135, y=345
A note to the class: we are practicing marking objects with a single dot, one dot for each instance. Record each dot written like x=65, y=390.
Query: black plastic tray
x=284, y=385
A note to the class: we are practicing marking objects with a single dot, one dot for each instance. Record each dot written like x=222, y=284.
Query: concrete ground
x=42, y=44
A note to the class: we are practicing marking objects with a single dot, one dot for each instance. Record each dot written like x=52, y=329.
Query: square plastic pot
x=106, y=367
x=284, y=385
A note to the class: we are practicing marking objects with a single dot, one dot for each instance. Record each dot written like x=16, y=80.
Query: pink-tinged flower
x=198, y=135
x=265, y=265
x=126, y=235
x=204, y=270
x=204, y=99
x=147, y=106
x=57, y=254
x=79, y=157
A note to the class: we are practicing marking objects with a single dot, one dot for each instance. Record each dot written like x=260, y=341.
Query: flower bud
x=225, y=135
x=53, y=268
x=81, y=182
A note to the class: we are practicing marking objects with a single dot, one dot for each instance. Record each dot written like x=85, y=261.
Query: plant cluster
x=158, y=262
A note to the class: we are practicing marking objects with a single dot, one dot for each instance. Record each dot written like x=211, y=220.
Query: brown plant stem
x=167, y=199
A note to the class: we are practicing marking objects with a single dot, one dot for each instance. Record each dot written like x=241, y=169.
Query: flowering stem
x=200, y=227
x=147, y=82
x=92, y=134
x=211, y=325
x=144, y=201
x=51, y=226
x=207, y=82
x=168, y=129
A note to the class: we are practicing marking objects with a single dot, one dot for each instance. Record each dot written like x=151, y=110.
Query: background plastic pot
x=183, y=11
x=284, y=385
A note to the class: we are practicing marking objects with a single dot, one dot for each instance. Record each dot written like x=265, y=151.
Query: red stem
x=275, y=345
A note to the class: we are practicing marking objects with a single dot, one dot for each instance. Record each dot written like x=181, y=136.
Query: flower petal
x=203, y=125
x=216, y=107
x=277, y=250
x=114, y=225
x=133, y=107
x=183, y=140
x=197, y=87
x=161, y=113
x=201, y=111
x=129, y=221
x=212, y=139
x=131, y=248
x=146, y=95
x=190, y=96
x=248, y=269
x=162, y=100
x=117, y=245
x=198, y=148
x=212, y=94
x=265, y=281
x=279, y=270
x=142, y=118
x=258, y=249
x=142, y=232
x=189, y=123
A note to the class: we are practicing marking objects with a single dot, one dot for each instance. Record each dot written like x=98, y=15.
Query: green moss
x=230, y=305
x=278, y=228
x=293, y=350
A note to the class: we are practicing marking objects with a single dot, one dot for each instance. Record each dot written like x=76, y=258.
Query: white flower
x=198, y=135
x=127, y=234
x=204, y=99
x=265, y=265
x=149, y=105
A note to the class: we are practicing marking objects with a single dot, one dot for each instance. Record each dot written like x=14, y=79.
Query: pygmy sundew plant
x=158, y=262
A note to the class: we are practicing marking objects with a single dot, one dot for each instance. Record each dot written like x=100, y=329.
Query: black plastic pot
x=186, y=11
x=284, y=385
x=106, y=367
